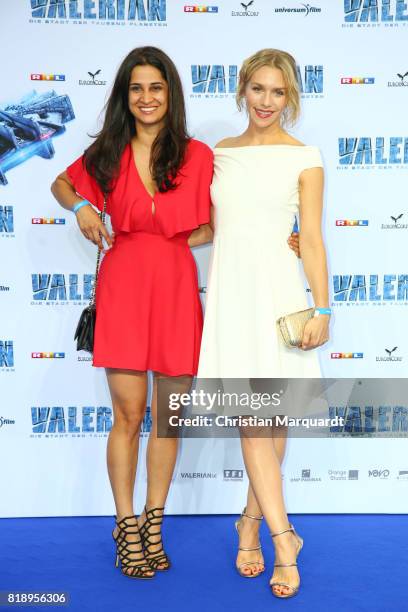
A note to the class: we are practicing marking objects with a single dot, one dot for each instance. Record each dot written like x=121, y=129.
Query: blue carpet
x=349, y=563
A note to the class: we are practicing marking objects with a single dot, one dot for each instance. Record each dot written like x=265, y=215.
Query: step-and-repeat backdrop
x=60, y=58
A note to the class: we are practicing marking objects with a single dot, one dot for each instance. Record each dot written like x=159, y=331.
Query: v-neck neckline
x=152, y=197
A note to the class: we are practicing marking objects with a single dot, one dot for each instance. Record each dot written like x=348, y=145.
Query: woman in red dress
x=149, y=313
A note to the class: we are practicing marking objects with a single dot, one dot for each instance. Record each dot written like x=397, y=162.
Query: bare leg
x=161, y=458
x=249, y=528
x=263, y=468
x=128, y=392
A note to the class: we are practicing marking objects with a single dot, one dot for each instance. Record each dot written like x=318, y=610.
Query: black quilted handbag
x=85, y=331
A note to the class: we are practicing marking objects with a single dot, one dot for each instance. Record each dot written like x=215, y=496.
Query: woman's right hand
x=92, y=227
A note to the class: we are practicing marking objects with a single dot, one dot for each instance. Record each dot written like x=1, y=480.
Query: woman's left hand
x=316, y=332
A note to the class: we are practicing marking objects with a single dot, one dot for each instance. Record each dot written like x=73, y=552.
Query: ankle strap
x=125, y=518
x=151, y=512
x=256, y=518
x=291, y=528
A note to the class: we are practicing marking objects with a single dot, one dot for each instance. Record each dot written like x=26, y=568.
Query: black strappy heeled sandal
x=130, y=554
x=154, y=558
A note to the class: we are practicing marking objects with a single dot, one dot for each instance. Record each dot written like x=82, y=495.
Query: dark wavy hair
x=102, y=157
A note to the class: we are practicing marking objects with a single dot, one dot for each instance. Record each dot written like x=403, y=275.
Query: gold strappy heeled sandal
x=294, y=590
x=241, y=573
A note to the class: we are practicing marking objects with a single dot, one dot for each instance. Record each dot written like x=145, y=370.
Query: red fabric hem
x=149, y=369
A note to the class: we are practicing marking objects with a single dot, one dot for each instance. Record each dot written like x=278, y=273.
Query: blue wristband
x=319, y=311
x=80, y=205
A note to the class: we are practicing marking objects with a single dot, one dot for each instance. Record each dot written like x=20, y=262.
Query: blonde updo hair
x=274, y=58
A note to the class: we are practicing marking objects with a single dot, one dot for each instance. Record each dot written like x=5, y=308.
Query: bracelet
x=319, y=311
x=80, y=205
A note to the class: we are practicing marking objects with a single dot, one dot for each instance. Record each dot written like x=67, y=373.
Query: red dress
x=149, y=314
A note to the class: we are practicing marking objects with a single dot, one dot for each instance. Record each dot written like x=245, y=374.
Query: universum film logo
x=7, y=356
x=7, y=222
x=105, y=12
x=304, y=9
x=61, y=289
x=370, y=289
x=4, y=422
x=71, y=421
x=366, y=153
x=377, y=13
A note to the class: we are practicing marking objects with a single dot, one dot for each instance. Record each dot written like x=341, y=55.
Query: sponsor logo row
x=54, y=289
x=154, y=12
x=365, y=420
x=7, y=355
x=221, y=79
x=7, y=221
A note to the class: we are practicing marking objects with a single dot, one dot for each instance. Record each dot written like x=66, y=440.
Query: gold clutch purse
x=291, y=326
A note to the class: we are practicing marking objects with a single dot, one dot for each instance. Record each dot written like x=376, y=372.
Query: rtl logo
x=47, y=77
x=48, y=221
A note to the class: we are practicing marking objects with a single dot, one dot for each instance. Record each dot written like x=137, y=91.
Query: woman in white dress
x=262, y=179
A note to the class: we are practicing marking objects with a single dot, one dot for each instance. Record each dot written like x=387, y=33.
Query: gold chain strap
x=98, y=257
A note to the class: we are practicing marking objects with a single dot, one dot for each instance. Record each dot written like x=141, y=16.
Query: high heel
x=240, y=572
x=294, y=590
x=154, y=558
x=132, y=561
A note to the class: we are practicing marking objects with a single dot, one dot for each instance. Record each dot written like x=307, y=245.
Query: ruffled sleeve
x=188, y=206
x=85, y=185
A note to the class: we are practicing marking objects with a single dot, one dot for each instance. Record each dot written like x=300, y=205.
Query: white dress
x=254, y=277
